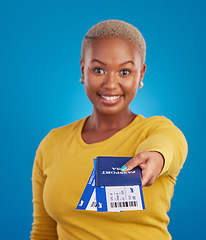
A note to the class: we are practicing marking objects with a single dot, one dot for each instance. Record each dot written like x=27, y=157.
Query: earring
x=141, y=84
x=81, y=80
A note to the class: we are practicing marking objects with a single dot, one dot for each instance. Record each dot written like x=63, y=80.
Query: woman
x=112, y=67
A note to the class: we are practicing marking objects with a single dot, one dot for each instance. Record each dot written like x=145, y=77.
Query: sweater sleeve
x=44, y=227
x=166, y=138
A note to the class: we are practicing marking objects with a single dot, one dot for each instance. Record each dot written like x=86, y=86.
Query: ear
x=142, y=72
x=82, y=67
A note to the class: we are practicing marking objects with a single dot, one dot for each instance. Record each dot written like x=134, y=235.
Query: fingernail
x=123, y=168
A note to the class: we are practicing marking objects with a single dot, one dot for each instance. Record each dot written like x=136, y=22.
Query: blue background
x=39, y=74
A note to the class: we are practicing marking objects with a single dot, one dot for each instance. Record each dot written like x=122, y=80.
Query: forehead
x=112, y=50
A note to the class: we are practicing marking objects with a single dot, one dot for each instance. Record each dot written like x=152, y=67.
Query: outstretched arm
x=162, y=152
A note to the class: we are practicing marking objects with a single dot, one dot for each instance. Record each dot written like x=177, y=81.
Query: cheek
x=91, y=83
x=130, y=86
x=90, y=80
x=91, y=86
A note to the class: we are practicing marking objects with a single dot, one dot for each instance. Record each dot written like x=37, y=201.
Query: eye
x=98, y=70
x=125, y=72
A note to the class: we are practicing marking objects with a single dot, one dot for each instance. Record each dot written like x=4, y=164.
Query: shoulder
x=67, y=129
x=158, y=119
x=158, y=125
x=60, y=134
x=161, y=126
x=154, y=121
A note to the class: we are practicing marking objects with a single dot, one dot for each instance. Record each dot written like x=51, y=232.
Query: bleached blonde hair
x=115, y=28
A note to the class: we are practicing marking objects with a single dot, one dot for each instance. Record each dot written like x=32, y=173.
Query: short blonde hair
x=115, y=28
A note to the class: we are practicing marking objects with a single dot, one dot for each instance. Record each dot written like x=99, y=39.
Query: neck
x=99, y=122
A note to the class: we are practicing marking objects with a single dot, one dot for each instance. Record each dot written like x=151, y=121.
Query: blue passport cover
x=108, y=172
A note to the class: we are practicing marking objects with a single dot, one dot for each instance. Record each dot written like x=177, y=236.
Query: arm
x=44, y=227
x=163, y=152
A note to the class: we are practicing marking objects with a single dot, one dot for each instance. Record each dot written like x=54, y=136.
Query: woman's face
x=112, y=70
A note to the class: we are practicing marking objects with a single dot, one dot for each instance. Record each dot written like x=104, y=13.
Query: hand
x=151, y=164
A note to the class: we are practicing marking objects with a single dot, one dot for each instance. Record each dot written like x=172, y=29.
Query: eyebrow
x=128, y=62
x=96, y=60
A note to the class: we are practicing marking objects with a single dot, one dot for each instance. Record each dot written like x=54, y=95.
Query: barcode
x=123, y=204
x=94, y=204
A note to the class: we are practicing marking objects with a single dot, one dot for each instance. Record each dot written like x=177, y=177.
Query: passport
x=108, y=172
x=111, y=190
x=117, y=191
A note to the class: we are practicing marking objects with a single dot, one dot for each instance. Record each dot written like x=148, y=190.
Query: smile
x=110, y=98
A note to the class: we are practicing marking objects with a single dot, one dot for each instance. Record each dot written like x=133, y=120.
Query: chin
x=111, y=110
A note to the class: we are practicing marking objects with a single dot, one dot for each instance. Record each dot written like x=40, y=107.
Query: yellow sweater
x=62, y=168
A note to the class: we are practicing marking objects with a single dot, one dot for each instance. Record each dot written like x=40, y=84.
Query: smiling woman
x=112, y=71
x=113, y=68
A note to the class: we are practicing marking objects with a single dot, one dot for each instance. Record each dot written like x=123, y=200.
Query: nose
x=111, y=81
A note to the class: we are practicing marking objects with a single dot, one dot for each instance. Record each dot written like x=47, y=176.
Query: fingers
x=151, y=164
x=138, y=160
x=141, y=161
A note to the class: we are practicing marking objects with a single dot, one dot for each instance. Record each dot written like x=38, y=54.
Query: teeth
x=110, y=98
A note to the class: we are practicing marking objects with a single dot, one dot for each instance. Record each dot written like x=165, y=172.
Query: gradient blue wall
x=39, y=74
